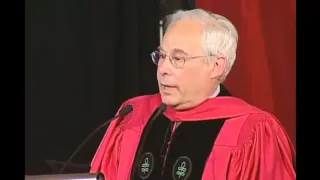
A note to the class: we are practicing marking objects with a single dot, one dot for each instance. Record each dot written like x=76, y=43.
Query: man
x=204, y=133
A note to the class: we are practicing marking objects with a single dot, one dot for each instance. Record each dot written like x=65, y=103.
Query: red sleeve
x=106, y=157
x=264, y=152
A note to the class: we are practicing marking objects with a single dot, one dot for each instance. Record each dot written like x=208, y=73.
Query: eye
x=177, y=57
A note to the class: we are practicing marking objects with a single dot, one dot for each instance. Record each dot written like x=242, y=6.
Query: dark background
x=82, y=60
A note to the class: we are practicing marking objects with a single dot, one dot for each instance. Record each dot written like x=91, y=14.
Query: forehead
x=185, y=35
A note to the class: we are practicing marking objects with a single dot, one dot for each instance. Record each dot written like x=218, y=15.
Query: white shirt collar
x=215, y=94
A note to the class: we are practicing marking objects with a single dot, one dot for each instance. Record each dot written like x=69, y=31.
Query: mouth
x=168, y=89
x=167, y=86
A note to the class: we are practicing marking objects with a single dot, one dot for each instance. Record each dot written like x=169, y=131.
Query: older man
x=204, y=133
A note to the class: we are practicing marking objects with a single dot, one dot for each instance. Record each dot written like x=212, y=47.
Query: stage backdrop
x=264, y=73
x=83, y=59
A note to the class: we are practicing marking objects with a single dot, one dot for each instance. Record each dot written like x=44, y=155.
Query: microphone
x=122, y=113
x=161, y=109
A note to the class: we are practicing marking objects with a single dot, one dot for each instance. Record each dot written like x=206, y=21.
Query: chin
x=169, y=100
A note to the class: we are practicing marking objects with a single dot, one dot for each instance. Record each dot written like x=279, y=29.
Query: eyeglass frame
x=186, y=58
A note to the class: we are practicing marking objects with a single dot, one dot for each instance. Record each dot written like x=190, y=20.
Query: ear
x=219, y=66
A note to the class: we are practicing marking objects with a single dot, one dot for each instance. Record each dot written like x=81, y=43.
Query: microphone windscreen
x=163, y=107
x=126, y=110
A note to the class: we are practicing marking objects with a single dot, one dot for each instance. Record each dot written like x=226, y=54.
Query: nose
x=165, y=67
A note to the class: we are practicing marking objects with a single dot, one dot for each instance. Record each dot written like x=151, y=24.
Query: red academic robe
x=251, y=144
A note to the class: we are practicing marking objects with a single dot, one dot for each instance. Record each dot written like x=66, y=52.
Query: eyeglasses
x=176, y=58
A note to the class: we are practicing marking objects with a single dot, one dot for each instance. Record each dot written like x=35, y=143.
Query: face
x=192, y=83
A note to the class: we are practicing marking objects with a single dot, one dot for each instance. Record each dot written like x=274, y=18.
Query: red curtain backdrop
x=264, y=73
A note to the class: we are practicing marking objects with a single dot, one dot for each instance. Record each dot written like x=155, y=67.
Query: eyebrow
x=175, y=50
x=160, y=48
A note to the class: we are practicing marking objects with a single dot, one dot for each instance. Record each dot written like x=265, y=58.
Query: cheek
x=191, y=82
x=186, y=83
x=158, y=75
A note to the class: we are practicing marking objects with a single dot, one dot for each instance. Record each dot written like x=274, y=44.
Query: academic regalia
x=222, y=138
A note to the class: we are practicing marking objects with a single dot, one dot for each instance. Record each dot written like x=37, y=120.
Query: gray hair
x=219, y=38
